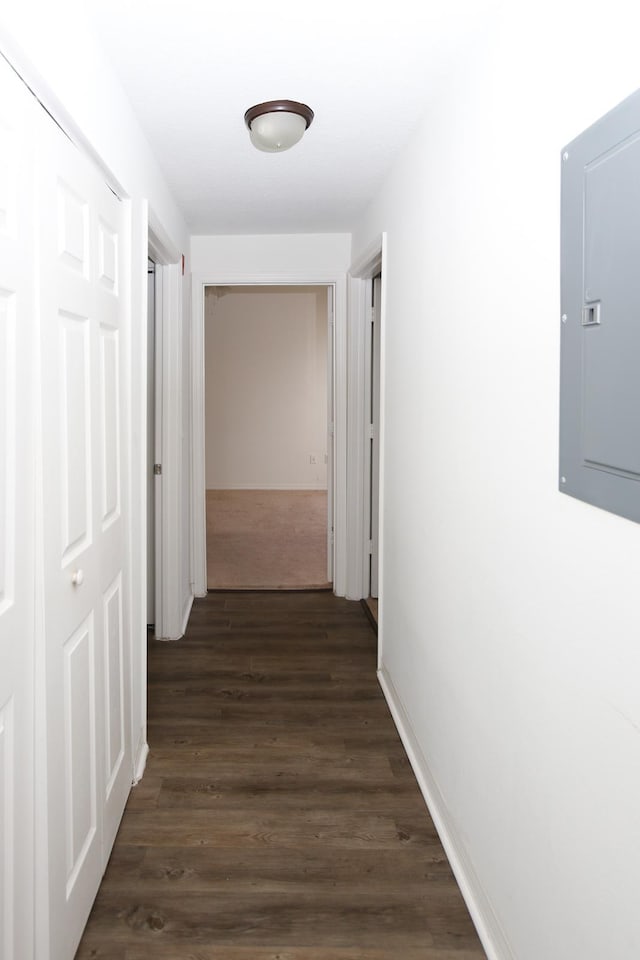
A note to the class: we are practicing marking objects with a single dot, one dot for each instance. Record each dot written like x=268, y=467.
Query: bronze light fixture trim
x=277, y=125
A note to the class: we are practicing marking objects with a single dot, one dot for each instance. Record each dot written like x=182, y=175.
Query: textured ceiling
x=191, y=69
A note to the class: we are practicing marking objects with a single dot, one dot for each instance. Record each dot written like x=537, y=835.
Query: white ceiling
x=192, y=68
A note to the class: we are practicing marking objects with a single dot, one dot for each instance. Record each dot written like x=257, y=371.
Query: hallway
x=278, y=817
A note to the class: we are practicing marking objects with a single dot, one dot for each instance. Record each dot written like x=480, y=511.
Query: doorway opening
x=268, y=438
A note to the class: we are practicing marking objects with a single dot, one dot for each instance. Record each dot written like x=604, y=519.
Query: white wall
x=266, y=387
x=55, y=41
x=264, y=256
x=510, y=613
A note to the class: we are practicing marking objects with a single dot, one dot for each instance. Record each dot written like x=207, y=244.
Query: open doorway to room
x=267, y=416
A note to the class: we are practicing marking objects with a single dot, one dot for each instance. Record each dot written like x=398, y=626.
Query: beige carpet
x=266, y=539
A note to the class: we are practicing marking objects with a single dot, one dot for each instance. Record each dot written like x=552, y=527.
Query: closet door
x=84, y=341
x=17, y=409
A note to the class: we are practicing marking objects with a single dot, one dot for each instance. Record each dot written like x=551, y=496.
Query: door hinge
x=369, y=546
x=371, y=431
x=157, y=469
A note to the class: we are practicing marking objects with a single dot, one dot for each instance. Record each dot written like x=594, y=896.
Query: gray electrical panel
x=600, y=313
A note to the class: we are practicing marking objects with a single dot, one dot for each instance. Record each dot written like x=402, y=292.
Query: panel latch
x=591, y=314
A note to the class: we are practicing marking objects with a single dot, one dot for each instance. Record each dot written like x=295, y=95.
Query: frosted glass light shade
x=275, y=132
x=276, y=125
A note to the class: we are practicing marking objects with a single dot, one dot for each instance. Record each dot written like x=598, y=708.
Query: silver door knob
x=77, y=578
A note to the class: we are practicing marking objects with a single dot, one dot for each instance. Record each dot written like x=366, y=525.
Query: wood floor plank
x=213, y=794
x=317, y=920
x=146, y=793
x=264, y=869
x=155, y=952
x=257, y=737
x=161, y=827
x=231, y=688
x=279, y=818
x=204, y=762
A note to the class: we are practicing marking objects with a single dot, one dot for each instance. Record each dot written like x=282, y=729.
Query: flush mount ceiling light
x=278, y=124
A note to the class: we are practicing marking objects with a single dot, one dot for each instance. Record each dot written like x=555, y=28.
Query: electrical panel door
x=600, y=314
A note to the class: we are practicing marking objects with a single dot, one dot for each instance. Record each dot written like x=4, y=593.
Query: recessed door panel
x=110, y=410
x=80, y=748
x=7, y=831
x=73, y=230
x=107, y=258
x=9, y=181
x=75, y=437
x=8, y=459
x=114, y=683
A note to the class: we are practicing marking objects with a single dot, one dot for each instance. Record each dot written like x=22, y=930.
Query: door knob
x=77, y=577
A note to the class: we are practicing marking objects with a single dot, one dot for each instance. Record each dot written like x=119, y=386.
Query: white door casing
x=158, y=539
x=359, y=452
x=151, y=442
x=17, y=557
x=86, y=644
x=331, y=480
x=169, y=387
x=169, y=616
x=375, y=433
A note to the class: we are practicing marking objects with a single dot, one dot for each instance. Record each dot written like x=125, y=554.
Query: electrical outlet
x=312, y=458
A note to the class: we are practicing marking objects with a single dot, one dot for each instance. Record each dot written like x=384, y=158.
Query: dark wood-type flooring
x=279, y=818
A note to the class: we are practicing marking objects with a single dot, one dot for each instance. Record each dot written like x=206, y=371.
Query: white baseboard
x=486, y=923
x=141, y=762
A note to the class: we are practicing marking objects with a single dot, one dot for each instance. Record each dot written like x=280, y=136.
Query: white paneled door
x=84, y=335
x=64, y=568
x=17, y=410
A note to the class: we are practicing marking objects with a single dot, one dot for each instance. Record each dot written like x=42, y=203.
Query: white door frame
x=331, y=416
x=149, y=239
x=360, y=280
x=152, y=308
x=306, y=278
x=168, y=414
x=373, y=449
